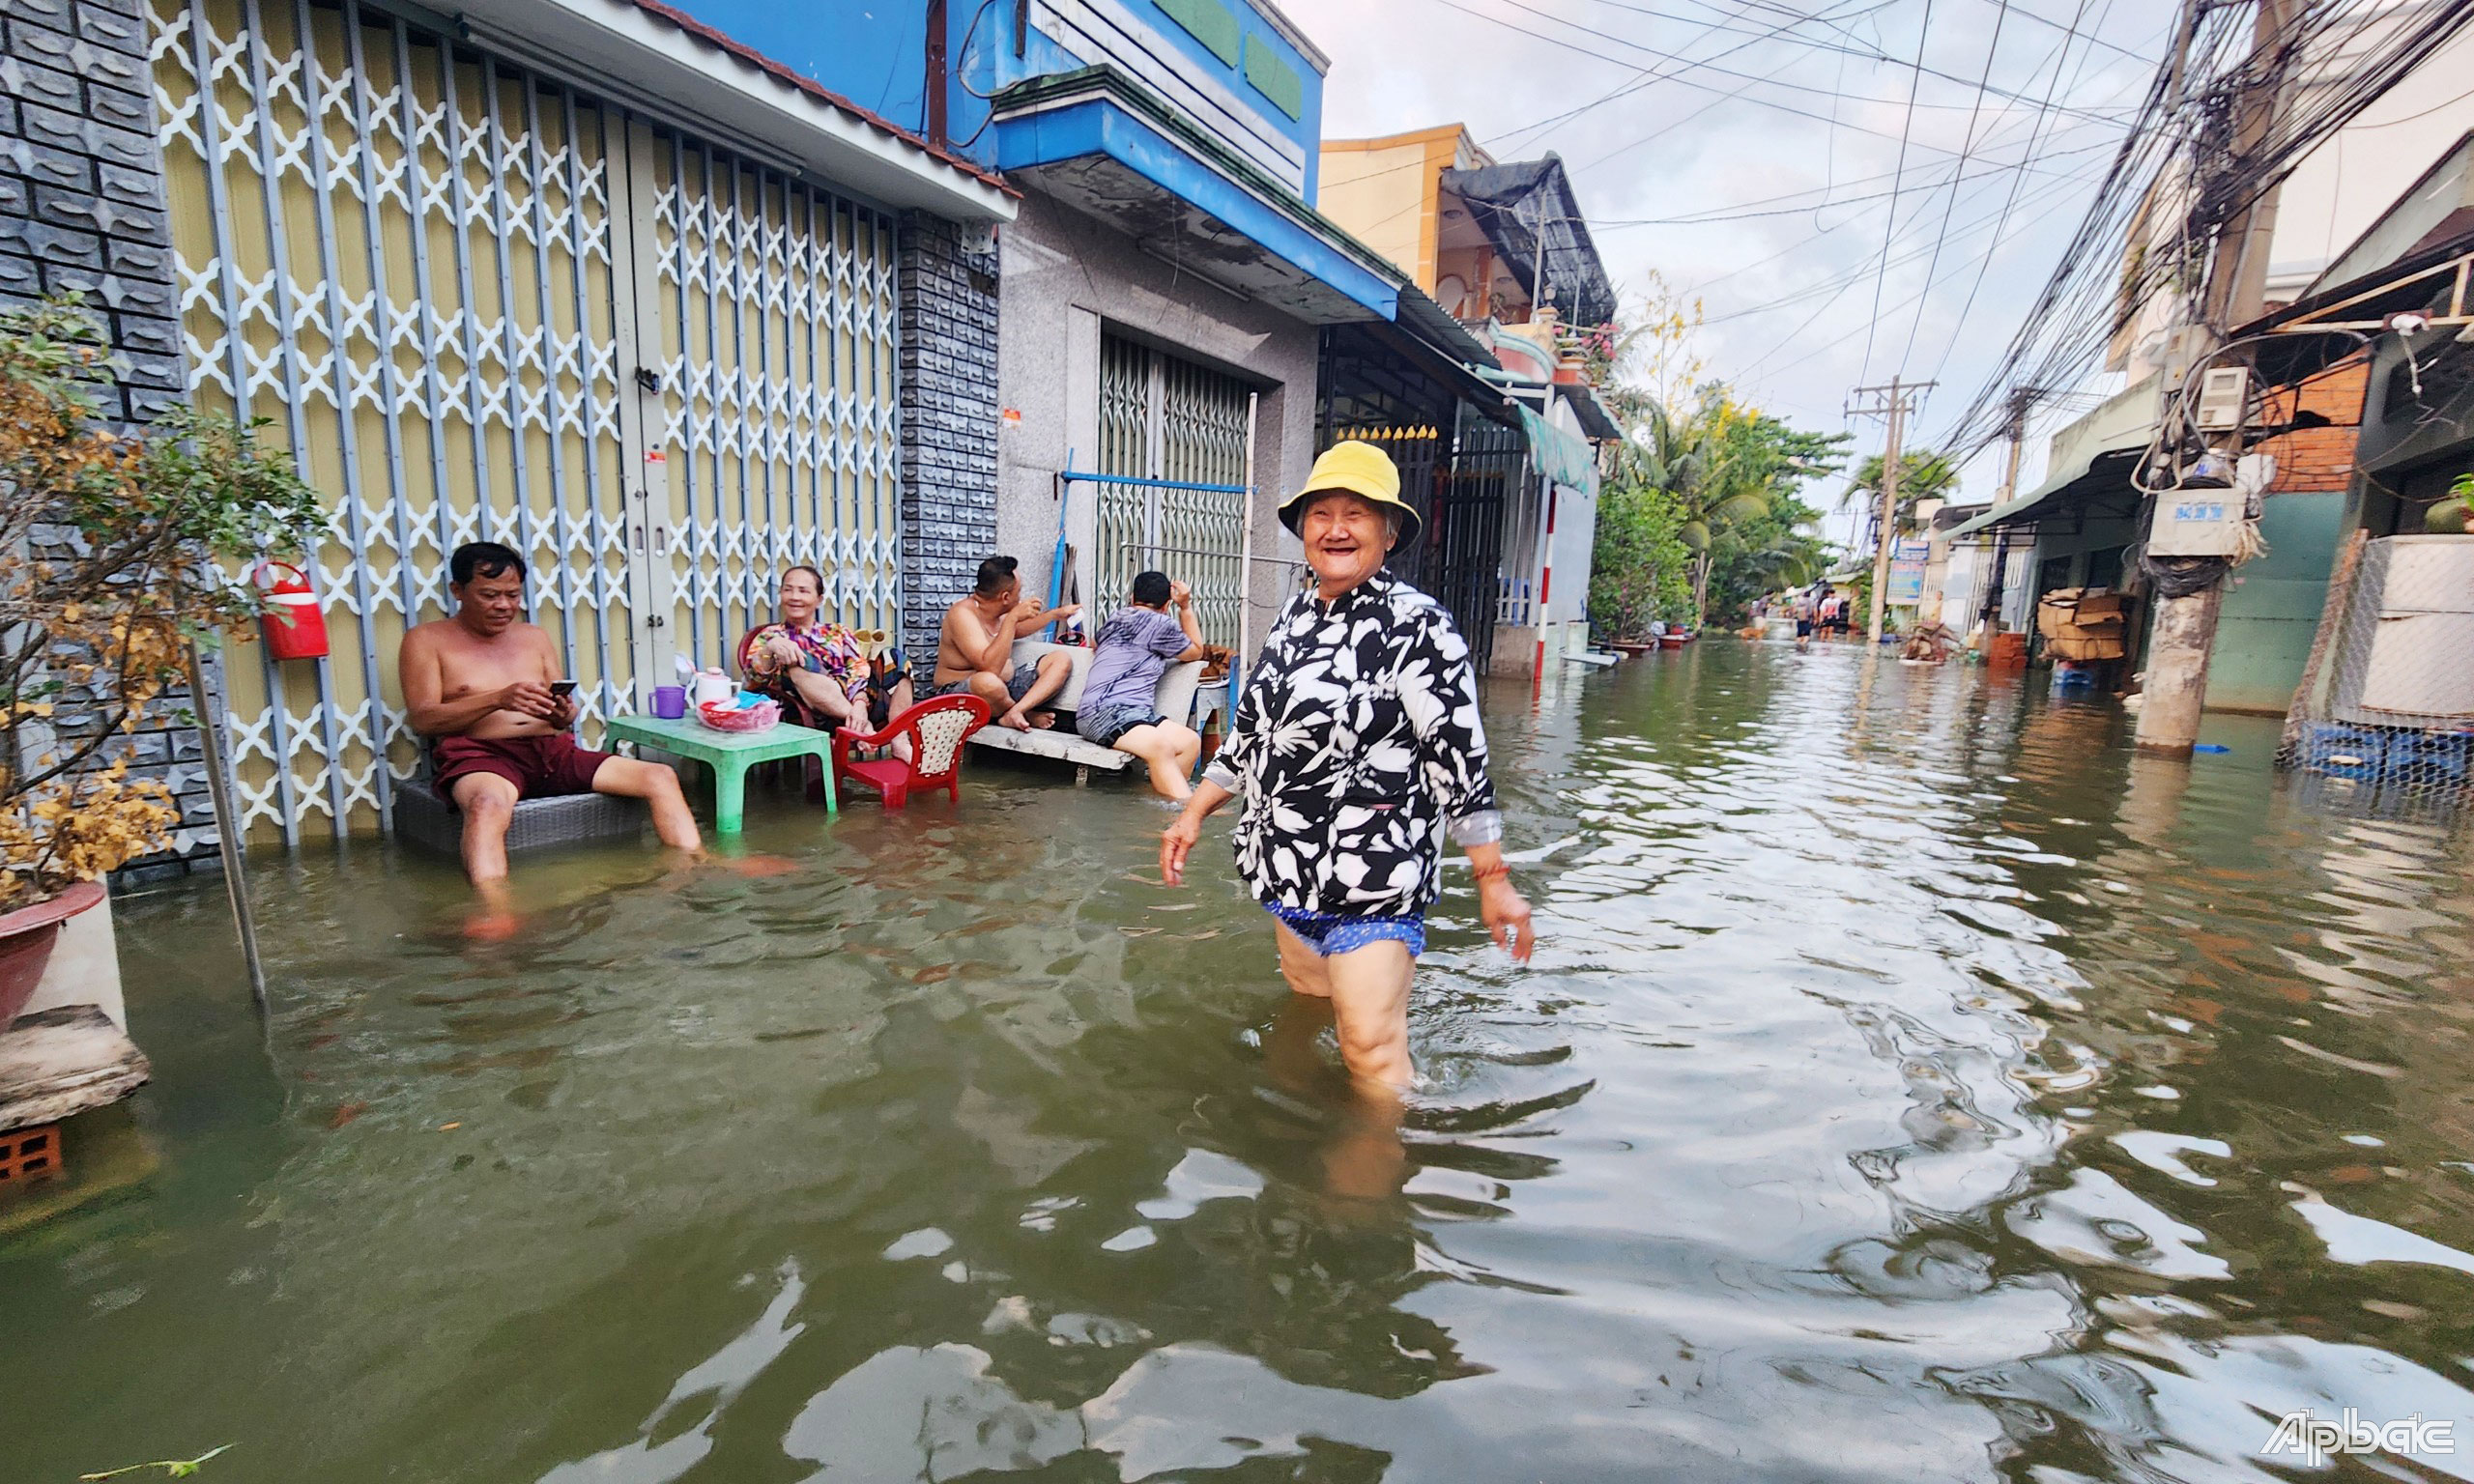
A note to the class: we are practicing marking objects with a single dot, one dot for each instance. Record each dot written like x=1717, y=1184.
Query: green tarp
x=1566, y=458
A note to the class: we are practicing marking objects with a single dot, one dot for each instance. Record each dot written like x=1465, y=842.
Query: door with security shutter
x=1173, y=433
x=476, y=303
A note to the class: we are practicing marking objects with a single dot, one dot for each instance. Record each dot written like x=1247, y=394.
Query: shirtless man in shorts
x=480, y=684
x=975, y=649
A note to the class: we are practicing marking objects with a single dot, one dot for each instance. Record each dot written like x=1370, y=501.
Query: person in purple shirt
x=1137, y=644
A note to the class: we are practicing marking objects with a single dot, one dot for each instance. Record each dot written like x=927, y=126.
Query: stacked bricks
x=81, y=207
x=2316, y=458
x=948, y=423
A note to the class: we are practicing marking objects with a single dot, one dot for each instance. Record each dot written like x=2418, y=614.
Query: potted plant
x=2454, y=515
x=114, y=554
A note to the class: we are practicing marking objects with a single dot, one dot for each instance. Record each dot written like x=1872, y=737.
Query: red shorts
x=540, y=767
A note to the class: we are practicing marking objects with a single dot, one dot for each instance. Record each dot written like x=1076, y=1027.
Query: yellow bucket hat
x=1361, y=469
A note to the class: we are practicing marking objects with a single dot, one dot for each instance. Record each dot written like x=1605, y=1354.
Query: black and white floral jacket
x=1357, y=735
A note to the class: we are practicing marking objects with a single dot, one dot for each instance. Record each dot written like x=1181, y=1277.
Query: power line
x=1985, y=264
x=1820, y=232
x=1641, y=80
x=1735, y=92
x=1680, y=79
x=1913, y=84
x=1951, y=205
x=1748, y=215
x=1845, y=281
x=1642, y=77
x=1862, y=52
x=2072, y=31
x=1851, y=277
x=2164, y=202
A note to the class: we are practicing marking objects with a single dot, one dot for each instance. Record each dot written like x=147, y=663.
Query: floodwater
x=1911, y=1086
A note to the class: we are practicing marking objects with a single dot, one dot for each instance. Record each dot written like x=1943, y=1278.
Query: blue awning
x=1098, y=141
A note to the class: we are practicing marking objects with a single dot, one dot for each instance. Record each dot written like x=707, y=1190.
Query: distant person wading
x=1357, y=738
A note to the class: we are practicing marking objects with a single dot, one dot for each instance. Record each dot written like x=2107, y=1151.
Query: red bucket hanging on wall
x=295, y=627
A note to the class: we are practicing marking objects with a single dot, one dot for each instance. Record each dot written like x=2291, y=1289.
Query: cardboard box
x=2084, y=647
x=2082, y=614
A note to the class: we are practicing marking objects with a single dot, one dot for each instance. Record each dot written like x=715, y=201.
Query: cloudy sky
x=1749, y=152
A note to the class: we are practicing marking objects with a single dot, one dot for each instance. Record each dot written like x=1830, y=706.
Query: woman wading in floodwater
x=1358, y=735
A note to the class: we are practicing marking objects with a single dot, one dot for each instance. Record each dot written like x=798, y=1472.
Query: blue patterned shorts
x=1329, y=934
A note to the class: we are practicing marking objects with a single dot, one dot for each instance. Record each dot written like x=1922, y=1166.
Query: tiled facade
x=949, y=422
x=81, y=209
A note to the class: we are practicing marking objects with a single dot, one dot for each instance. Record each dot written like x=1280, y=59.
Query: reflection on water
x=1910, y=1085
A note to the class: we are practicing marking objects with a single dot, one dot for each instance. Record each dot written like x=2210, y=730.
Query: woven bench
x=428, y=818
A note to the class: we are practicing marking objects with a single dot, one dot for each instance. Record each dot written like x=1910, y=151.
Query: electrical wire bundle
x=2182, y=178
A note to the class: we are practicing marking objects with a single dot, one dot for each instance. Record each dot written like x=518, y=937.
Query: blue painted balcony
x=1191, y=126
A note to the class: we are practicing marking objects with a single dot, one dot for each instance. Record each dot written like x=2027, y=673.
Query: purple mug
x=670, y=702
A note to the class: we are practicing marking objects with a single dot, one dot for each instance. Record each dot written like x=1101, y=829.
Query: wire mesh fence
x=2387, y=704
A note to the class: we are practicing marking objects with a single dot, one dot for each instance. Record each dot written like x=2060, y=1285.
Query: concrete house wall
x=1066, y=280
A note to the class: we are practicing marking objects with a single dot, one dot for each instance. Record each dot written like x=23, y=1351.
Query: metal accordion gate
x=1471, y=506
x=479, y=304
x=1170, y=482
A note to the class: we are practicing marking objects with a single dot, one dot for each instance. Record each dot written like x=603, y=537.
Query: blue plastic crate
x=2072, y=675
x=2431, y=757
x=2343, y=752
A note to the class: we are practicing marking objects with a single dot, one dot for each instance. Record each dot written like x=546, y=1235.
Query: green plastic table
x=730, y=755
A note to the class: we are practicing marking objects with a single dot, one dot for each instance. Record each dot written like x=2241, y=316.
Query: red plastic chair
x=937, y=728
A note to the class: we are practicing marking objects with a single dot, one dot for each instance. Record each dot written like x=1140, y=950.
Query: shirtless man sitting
x=975, y=649
x=484, y=685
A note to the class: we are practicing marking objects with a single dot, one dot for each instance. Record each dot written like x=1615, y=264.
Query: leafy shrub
x=115, y=550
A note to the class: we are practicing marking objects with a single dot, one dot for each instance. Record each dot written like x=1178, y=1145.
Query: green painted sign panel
x=1274, y=78
x=2263, y=634
x=1208, y=22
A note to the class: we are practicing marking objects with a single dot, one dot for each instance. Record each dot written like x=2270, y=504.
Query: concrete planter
x=27, y=937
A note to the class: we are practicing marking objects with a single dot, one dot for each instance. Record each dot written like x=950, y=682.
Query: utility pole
x=1892, y=402
x=2184, y=636
x=932, y=117
x=2022, y=399
x=1538, y=290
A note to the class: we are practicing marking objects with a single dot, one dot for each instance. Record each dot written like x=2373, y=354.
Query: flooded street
x=1911, y=1086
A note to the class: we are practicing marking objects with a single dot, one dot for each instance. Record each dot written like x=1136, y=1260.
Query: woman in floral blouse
x=1357, y=736
x=812, y=663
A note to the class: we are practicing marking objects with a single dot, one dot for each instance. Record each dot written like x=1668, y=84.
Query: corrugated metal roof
x=1509, y=202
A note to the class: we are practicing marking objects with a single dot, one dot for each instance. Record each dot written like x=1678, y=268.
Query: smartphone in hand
x=563, y=689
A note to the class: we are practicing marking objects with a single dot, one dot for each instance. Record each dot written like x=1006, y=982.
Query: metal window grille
x=1168, y=419
x=433, y=270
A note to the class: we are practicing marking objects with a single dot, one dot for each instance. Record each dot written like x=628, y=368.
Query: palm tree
x=1726, y=467
x=1922, y=475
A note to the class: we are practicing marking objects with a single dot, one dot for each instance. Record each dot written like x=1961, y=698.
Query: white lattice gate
x=776, y=304
x=477, y=303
